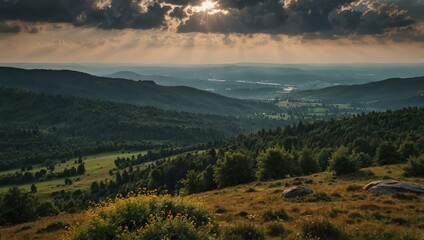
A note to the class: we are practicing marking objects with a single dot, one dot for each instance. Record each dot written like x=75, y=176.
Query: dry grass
x=354, y=211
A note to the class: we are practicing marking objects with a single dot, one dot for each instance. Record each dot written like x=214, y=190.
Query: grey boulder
x=297, y=191
x=389, y=186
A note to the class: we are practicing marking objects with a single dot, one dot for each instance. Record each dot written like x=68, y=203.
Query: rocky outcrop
x=389, y=186
x=298, y=191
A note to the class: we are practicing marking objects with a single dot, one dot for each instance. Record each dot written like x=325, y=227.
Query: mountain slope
x=144, y=93
x=384, y=93
x=35, y=127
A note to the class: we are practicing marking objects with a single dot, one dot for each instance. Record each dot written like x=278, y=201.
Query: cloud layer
x=307, y=18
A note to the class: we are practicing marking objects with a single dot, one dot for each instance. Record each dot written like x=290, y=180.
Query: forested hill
x=45, y=123
x=377, y=138
x=390, y=93
x=144, y=93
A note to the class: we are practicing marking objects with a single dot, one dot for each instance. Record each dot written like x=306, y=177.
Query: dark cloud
x=121, y=14
x=319, y=18
x=9, y=28
x=265, y=17
x=308, y=18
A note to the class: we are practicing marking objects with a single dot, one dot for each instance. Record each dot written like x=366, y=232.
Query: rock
x=298, y=191
x=389, y=186
x=303, y=179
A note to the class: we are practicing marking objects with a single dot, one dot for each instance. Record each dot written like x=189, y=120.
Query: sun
x=207, y=6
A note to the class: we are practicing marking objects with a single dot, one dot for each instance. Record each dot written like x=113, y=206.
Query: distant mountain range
x=143, y=93
x=390, y=93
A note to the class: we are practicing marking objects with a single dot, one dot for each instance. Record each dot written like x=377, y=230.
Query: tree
x=81, y=169
x=386, y=154
x=274, y=163
x=362, y=158
x=192, y=182
x=234, y=168
x=307, y=162
x=17, y=206
x=33, y=188
x=415, y=166
x=46, y=209
x=323, y=157
x=406, y=150
x=341, y=162
x=125, y=177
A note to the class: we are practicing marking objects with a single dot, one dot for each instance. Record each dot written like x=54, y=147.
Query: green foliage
x=406, y=150
x=387, y=154
x=146, y=217
x=273, y=215
x=54, y=226
x=17, y=206
x=275, y=229
x=178, y=228
x=192, y=182
x=342, y=162
x=35, y=127
x=233, y=169
x=46, y=209
x=362, y=158
x=33, y=188
x=415, y=166
x=323, y=157
x=243, y=231
x=322, y=229
x=274, y=163
x=307, y=162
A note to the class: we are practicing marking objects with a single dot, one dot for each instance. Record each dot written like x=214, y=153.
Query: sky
x=212, y=31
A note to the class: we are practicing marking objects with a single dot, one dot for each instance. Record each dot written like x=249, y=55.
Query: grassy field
x=97, y=168
x=341, y=201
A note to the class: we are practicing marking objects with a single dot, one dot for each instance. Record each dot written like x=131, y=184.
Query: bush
x=143, y=216
x=341, y=162
x=415, y=166
x=17, y=206
x=274, y=163
x=243, y=232
x=54, y=226
x=322, y=229
x=46, y=209
x=233, y=169
x=275, y=230
x=271, y=215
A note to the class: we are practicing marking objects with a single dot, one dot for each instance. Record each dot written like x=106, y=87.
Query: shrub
x=271, y=215
x=175, y=228
x=54, y=226
x=46, y=209
x=317, y=197
x=415, y=166
x=274, y=163
x=143, y=215
x=341, y=162
x=17, y=206
x=275, y=230
x=243, y=232
x=386, y=153
x=23, y=228
x=322, y=229
x=233, y=169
